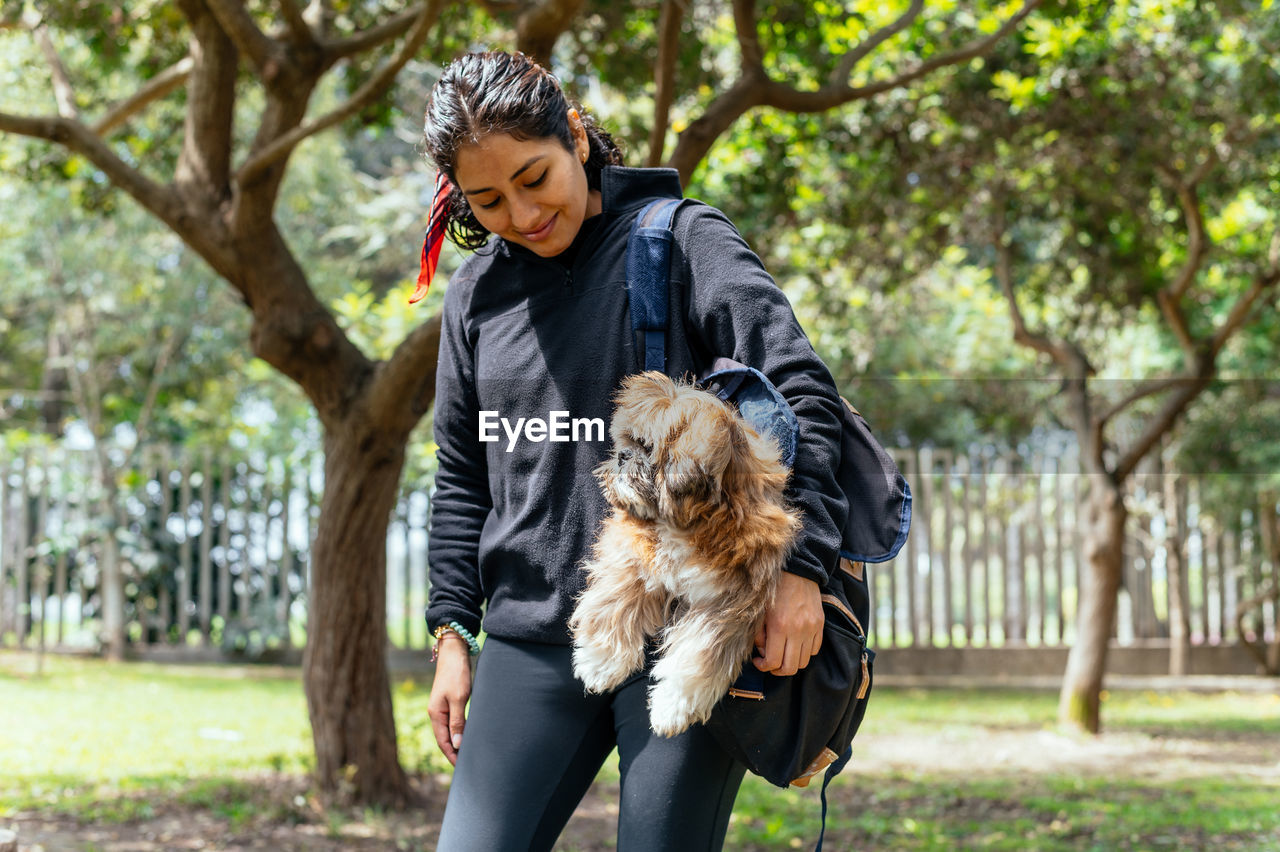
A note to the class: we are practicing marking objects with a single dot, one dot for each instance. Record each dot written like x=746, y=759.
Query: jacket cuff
x=440, y=615
x=804, y=562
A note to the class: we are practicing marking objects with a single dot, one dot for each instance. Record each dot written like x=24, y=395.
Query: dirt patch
x=1036, y=752
x=281, y=813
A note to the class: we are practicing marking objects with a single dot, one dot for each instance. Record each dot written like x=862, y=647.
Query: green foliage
x=876, y=218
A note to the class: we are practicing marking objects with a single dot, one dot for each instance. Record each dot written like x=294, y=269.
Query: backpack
x=789, y=729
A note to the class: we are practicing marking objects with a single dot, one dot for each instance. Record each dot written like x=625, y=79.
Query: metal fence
x=214, y=554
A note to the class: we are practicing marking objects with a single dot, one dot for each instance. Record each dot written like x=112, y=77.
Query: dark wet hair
x=483, y=93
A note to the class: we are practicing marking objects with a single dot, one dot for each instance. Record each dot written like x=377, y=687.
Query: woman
x=535, y=323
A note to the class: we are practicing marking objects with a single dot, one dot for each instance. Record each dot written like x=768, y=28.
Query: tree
x=1120, y=186
x=223, y=57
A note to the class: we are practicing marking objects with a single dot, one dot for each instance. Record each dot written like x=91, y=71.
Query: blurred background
x=1036, y=243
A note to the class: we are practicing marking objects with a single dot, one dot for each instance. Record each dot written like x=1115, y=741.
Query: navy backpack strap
x=648, y=274
x=832, y=771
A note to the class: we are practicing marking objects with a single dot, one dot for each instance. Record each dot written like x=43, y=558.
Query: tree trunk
x=345, y=664
x=1080, y=702
x=54, y=386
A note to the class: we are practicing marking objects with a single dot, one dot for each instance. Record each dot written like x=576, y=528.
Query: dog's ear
x=754, y=472
x=686, y=488
x=694, y=462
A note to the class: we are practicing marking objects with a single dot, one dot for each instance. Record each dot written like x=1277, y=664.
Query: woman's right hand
x=449, y=693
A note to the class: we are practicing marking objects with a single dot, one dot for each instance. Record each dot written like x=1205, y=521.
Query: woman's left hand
x=792, y=628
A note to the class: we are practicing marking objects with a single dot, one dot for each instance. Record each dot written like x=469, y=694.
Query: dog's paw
x=671, y=711
x=599, y=670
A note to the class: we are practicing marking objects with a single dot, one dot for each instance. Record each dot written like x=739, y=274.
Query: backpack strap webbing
x=648, y=276
x=832, y=771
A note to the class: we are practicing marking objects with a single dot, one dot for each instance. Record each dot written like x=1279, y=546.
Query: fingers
x=785, y=654
x=792, y=627
x=447, y=711
x=440, y=713
x=457, y=721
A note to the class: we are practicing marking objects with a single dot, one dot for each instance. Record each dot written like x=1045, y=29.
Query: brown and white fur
x=695, y=544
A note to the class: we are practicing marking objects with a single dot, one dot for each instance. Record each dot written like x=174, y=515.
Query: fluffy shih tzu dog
x=691, y=552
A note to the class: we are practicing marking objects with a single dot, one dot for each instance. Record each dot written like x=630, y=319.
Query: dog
x=690, y=553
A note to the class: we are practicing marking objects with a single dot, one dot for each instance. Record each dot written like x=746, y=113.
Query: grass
x=102, y=743
x=948, y=813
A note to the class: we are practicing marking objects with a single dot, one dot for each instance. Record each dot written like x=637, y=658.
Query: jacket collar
x=622, y=188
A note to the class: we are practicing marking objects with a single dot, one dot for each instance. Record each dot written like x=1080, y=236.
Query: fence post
x=22, y=610
x=285, y=602
x=205, y=582
x=948, y=609
x=184, y=550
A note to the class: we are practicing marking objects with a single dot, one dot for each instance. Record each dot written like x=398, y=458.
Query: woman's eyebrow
x=535, y=158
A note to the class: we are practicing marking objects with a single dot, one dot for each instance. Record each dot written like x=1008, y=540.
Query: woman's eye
x=492, y=204
x=537, y=182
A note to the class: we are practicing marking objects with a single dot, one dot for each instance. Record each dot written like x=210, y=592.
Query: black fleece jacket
x=525, y=337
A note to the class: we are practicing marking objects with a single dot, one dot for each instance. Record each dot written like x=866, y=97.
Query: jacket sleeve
x=462, y=501
x=736, y=310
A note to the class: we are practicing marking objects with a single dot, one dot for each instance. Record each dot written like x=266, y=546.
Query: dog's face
x=678, y=452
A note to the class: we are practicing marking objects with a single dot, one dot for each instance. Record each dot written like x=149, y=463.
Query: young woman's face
x=532, y=192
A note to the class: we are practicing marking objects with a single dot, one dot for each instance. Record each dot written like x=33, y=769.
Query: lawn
x=95, y=756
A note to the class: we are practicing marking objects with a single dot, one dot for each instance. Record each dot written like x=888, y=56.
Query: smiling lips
x=542, y=232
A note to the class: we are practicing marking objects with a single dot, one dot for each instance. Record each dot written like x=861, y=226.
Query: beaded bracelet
x=473, y=647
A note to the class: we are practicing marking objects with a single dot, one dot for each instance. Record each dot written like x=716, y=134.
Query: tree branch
x=366, y=94
x=750, y=54
x=372, y=37
x=756, y=88
x=204, y=164
x=791, y=99
x=1068, y=357
x=1142, y=392
x=238, y=24
x=297, y=24
x=1240, y=310
x=408, y=376
x=1163, y=422
x=80, y=139
x=664, y=72
x=1169, y=298
x=541, y=25
x=840, y=77
x=63, y=92
x=157, y=87
x=1200, y=374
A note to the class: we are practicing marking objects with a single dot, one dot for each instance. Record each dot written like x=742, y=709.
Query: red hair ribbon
x=434, y=239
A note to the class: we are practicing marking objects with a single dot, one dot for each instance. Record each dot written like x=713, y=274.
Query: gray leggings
x=534, y=742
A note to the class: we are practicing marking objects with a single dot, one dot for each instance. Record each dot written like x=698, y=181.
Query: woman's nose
x=525, y=215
